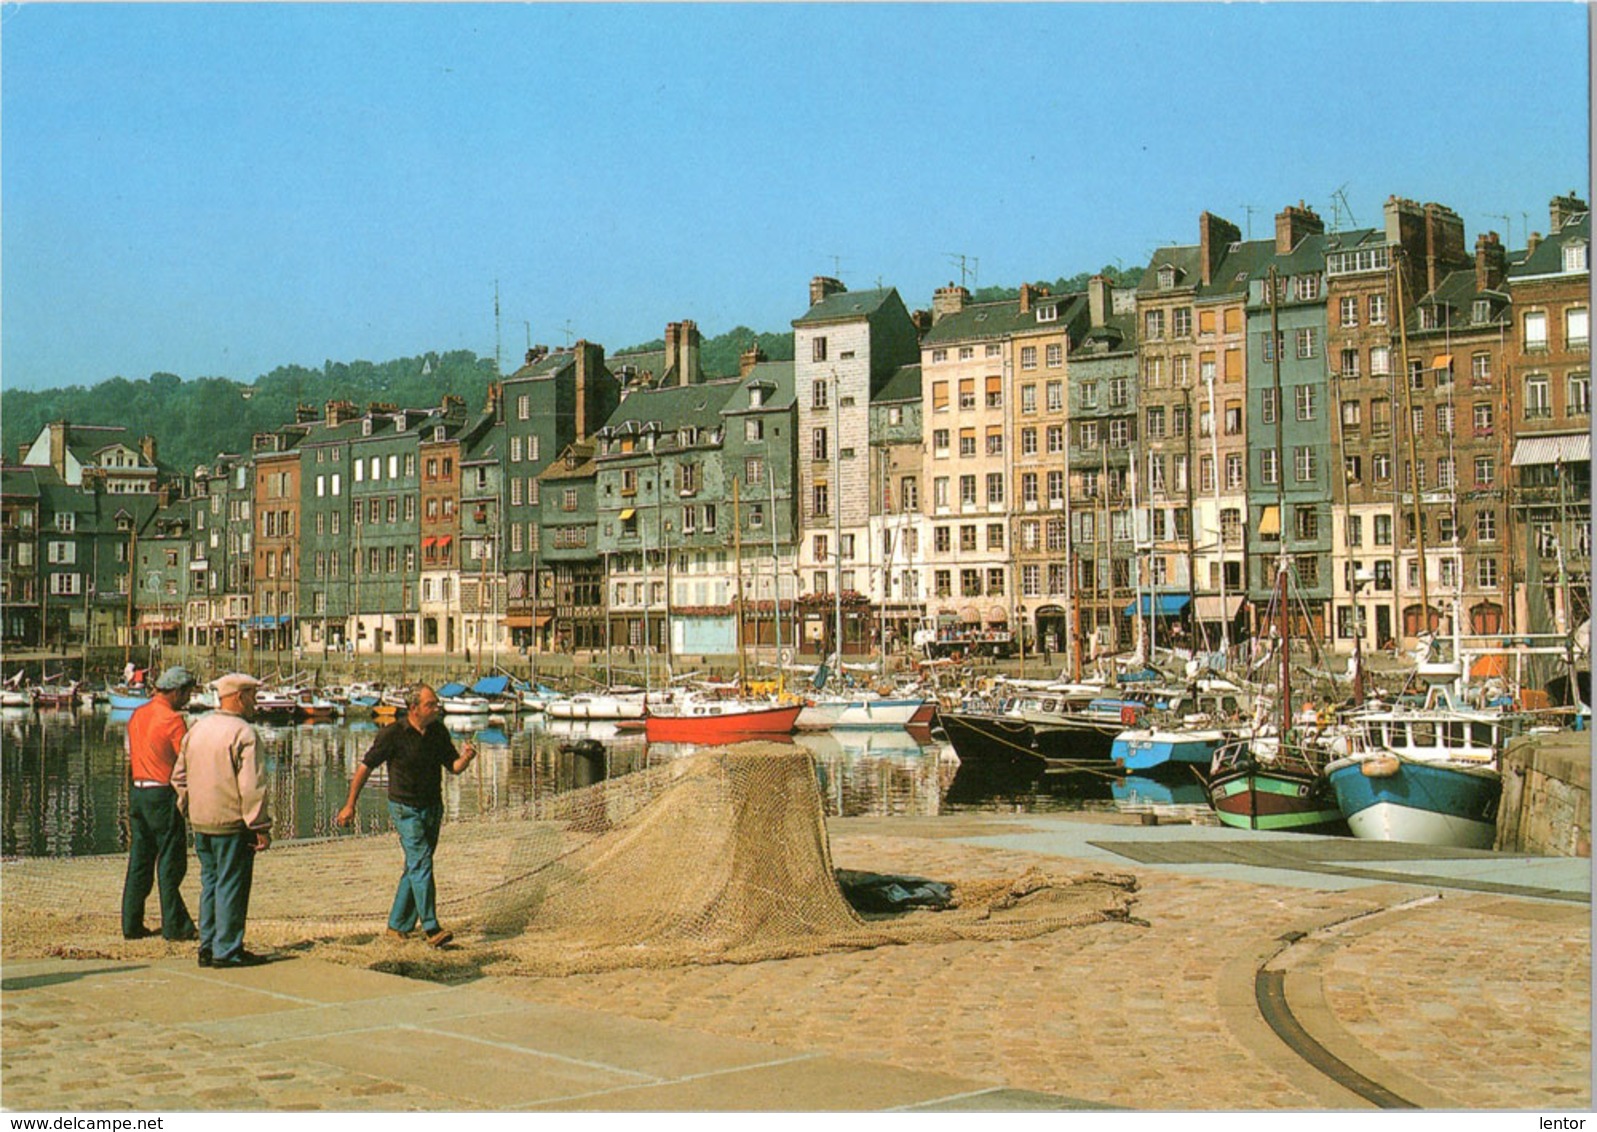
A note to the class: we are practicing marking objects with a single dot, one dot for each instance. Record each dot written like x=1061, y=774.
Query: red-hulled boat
x=721, y=721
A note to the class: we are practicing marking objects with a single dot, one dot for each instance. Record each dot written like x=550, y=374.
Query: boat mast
x=1283, y=613
x=1214, y=459
x=1192, y=526
x=1413, y=458
x=836, y=453
x=1072, y=600
x=737, y=559
x=776, y=586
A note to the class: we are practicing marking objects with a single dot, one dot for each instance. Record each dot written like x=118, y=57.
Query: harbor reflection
x=64, y=787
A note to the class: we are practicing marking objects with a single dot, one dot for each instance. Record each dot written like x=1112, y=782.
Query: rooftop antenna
x=1247, y=223
x=1339, y=207
x=837, y=265
x=969, y=267
x=566, y=330
x=498, y=352
x=528, y=325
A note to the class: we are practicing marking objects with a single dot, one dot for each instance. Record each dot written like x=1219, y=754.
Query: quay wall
x=1546, y=806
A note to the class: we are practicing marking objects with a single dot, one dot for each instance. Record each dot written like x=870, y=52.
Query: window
x=995, y=440
x=1181, y=322
x=1028, y=357
x=995, y=536
x=1575, y=256
x=1269, y=345
x=1154, y=324
x=1486, y=525
x=908, y=494
x=1119, y=433
x=995, y=488
x=754, y=429
x=1089, y=395
x=1538, y=403
x=1381, y=467
x=820, y=500
x=1355, y=530
x=1307, y=339
x=818, y=349
x=1269, y=466
x=1152, y=373
x=966, y=353
x=1205, y=474
x=967, y=442
x=1377, y=308
x=818, y=397
x=1485, y=471
x=1028, y=398
x=1353, y=468
x=753, y=470
x=939, y=396
x=940, y=492
x=1307, y=287
x=1055, y=438
x=1444, y=420
x=1089, y=434
x=1446, y=471
x=995, y=392
x=995, y=580
x=1028, y=441
x=967, y=537
x=1350, y=362
x=1231, y=526
x=1056, y=488
x=967, y=393
x=1380, y=361
x=1352, y=416
x=1055, y=395
x=1536, y=330
x=1156, y=429
x=1579, y=398
x=1304, y=396
x=1350, y=310
x=1486, y=573
x=1054, y=355
x=970, y=583
x=1304, y=463
x=819, y=448
x=1267, y=406
x=1118, y=390
x=967, y=491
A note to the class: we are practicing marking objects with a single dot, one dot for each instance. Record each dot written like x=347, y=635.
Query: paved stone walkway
x=1475, y=997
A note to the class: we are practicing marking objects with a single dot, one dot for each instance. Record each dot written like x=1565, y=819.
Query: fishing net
x=718, y=857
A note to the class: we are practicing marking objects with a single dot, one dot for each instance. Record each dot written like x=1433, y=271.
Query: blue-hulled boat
x=127, y=701
x=1146, y=748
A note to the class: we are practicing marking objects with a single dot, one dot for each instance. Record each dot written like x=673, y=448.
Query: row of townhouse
x=1407, y=421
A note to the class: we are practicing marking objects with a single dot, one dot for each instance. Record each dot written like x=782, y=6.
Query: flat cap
x=233, y=683
x=174, y=678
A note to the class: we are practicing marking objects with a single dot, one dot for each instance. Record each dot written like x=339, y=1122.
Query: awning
x=1270, y=520
x=1442, y=361
x=1208, y=607
x=628, y=513
x=443, y=541
x=491, y=686
x=429, y=541
x=518, y=620
x=162, y=624
x=543, y=619
x=1166, y=605
x=1566, y=449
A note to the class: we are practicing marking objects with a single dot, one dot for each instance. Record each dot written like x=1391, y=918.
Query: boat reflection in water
x=1064, y=786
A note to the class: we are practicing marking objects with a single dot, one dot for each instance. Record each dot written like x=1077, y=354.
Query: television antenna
x=1508, y=226
x=566, y=330
x=1247, y=223
x=1339, y=207
x=969, y=267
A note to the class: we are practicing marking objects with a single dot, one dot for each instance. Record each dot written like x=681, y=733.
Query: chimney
x=688, y=353
x=1294, y=223
x=922, y=321
x=305, y=414
x=948, y=300
x=1444, y=244
x=1561, y=210
x=1215, y=234
x=1491, y=262
x=821, y=287
x=1100, y=299
x=1027, y=294
x=58, y=447
x=147, y=446
x=338, y=412
x=750, y=358
x=673, y=351
x=1532, y=244
x=495, y=395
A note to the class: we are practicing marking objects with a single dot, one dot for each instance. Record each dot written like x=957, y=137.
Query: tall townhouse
x=482, y=587
x=1087, y=565
x=276, y=477
x=1193, y=304
x=1454, y=348
x=216, y=606
x=438, y=502
x=1549, y=380
x=761, y=449
x=846, y=346
x=664, y=498
x=19, y=555
x=899, y=528
x=553, y=400
x=385, y=525
x=1045, y=330
x=233, y=479
x=966, y=360
x=1289, y=435
x=571, y=603
x=326, y=527
x=162, y=577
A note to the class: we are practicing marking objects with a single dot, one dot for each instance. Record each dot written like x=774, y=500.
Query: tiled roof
x=778, y=376
x=1548, y=258
x=676, y=406
x=847, y=305
x=903, y=385
x=584, y=469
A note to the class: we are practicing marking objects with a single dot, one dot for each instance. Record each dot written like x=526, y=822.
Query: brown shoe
x=395, y=933
x=440, y=937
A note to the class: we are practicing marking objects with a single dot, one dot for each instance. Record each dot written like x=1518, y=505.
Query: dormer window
x=401, y=421
x=366, y=426
x=1167, y=277
x=1575, y=258
x=1048, y=312
x=756, y=396
x=1430, y=318
x=1481, y=311
x=438, y=434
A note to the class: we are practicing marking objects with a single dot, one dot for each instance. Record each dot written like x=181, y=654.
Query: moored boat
x=586, y=705
x=711, y=721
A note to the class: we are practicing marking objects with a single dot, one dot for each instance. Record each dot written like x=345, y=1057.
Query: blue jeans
x=416, y=898
x=227, y=868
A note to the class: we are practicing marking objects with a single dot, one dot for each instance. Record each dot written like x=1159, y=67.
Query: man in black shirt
x=416, y=748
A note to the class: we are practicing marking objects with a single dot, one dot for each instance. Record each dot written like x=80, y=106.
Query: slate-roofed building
x=899, y=526
x=276, y=476
x=566, y=601
x=20, y=575
x=107, y=451
x=326, y=534
x=846, y=346
x=482, y=542
x=1550, y=380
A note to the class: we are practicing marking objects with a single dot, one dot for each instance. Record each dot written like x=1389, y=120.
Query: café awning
x=1159, y=605
x=627, y=514
x=1208, y=607
x=1270, y=520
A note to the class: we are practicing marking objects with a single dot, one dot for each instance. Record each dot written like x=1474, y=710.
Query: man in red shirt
x=159, y=848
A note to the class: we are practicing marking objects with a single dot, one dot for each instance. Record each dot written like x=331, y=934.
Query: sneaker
x=242, y=959
x=396, y=934
x=439, y=938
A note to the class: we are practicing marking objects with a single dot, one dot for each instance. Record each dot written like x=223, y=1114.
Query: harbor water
x=64, y=788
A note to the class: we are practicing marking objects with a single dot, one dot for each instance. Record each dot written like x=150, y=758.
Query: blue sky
x=218, y=190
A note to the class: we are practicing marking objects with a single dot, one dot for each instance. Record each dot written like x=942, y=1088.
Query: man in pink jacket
x=222, y=791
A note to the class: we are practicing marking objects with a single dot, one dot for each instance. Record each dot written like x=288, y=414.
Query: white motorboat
x=587, y=705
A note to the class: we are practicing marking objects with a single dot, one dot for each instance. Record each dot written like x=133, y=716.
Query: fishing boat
x=1195, y=727
x=310, y=705
x=587, y=705
x=275, y=705
x=123, y=699
x=710, y=721
x=55, y=695
x=864, y=710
